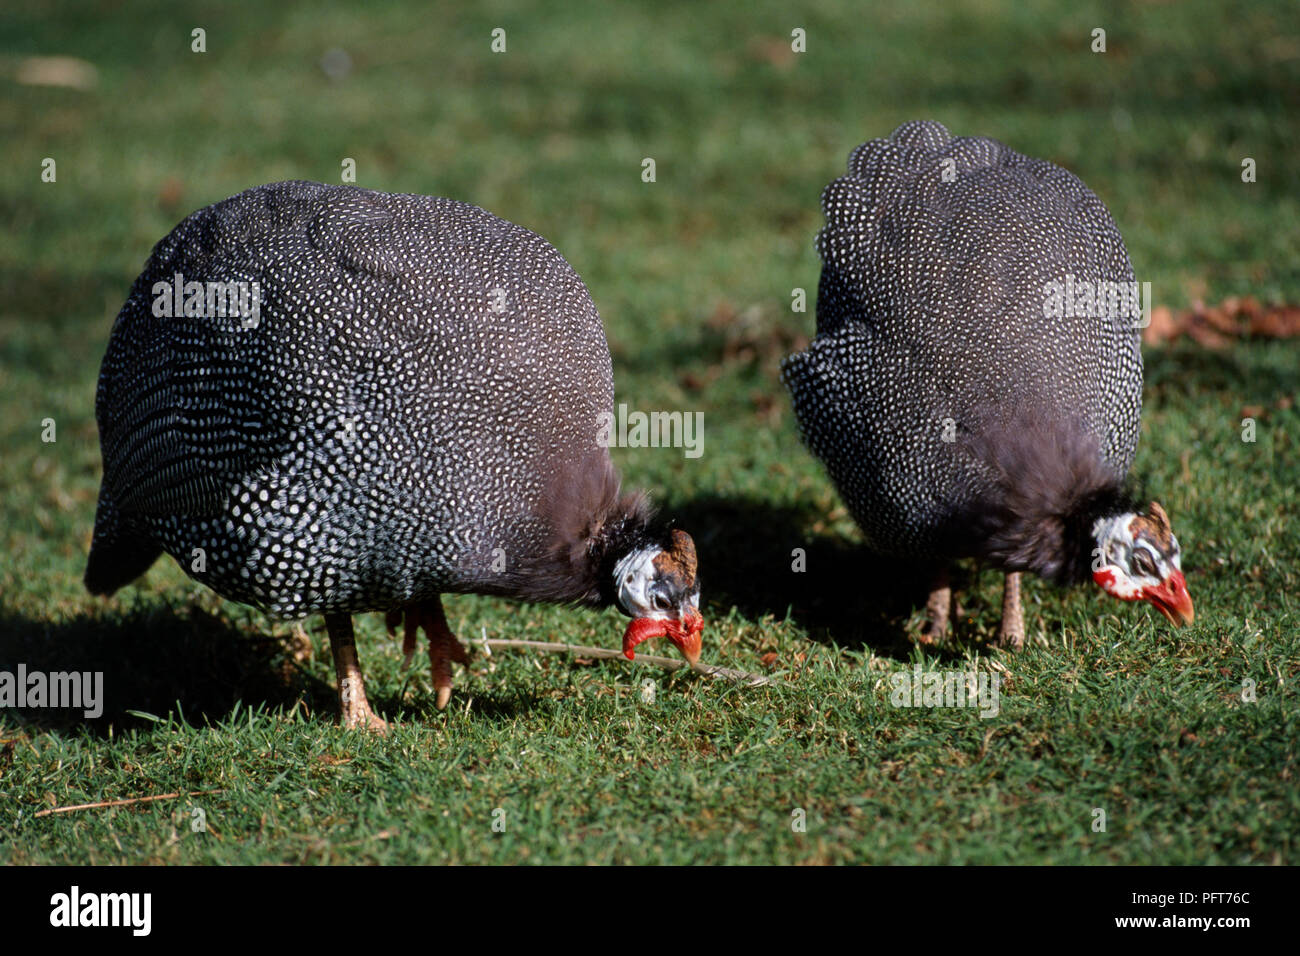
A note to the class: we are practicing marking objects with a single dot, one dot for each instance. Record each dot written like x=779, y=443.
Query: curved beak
x=685, y=633
x=1172, y=599
x=689, y=635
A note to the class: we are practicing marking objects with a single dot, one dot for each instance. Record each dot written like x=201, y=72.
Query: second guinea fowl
x=406, y=404
x=975, y=385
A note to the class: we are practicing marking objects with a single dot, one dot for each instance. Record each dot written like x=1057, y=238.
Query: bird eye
x=661, y=602
x=1142, y=561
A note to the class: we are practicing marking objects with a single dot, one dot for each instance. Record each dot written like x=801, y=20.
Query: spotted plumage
x=413, y=410
x=955, y=409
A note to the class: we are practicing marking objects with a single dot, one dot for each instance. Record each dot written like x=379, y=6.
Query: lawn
x=576, y=761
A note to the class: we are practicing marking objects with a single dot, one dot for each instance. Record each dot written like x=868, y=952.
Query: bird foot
x=356, y=713
x=444, y=649
x=354, y=708
x=299, y=644
x=1010, y=639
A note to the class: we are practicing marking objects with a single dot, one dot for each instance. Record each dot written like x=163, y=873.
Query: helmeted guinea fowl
x=407, y=404
x=975, y=385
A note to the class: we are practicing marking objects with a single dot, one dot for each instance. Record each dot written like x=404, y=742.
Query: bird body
x=412, y=409
x=380, y=430
x=963, y=401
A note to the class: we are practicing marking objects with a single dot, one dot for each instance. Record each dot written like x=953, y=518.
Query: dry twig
x=605, y=653
x=127, y=801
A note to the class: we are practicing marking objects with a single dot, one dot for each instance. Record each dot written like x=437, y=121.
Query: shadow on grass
x=1263, y=372
x=191, y=663
x=846, y=595
x=160, y=661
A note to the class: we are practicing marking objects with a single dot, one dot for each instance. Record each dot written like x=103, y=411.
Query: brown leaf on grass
x=170, y=194
x=754, y=336
x=1163, y=327
x=765, y=407
x=1222, y=317
x=776, y=51
x=1218, y=326
x=65, y=71
x=1205, y=333
x=1280, y=322
x=723, y=315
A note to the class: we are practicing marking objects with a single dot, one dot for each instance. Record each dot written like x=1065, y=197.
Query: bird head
x=1137, y=559
x=656, y=586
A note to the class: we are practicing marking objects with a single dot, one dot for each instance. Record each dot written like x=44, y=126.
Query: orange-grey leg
x=444, y=649
x=937, y=609
x=1011, y=633
x=354, y=709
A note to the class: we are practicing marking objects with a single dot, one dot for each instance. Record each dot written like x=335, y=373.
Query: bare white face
x=635, y=576
x=1133, y=565
x=642, y=590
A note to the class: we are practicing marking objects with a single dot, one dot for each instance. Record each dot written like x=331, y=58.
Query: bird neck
x=1045, y=483
x=591, y=525
x=628, y=534
x=1085, y=529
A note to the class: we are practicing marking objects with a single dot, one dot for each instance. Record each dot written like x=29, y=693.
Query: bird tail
x=117, y=554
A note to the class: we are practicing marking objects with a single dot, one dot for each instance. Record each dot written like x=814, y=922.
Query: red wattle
x=642, y=629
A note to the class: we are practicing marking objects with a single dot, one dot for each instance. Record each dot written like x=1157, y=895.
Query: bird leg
x=937, y=609
x=1011, y=633
x=354, y=709
x=443, y=646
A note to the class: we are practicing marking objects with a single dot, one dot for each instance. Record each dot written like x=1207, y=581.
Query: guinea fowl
x=407, y=403
x=975, y=385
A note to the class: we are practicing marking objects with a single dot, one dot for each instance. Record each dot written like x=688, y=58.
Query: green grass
x=1108, y=709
